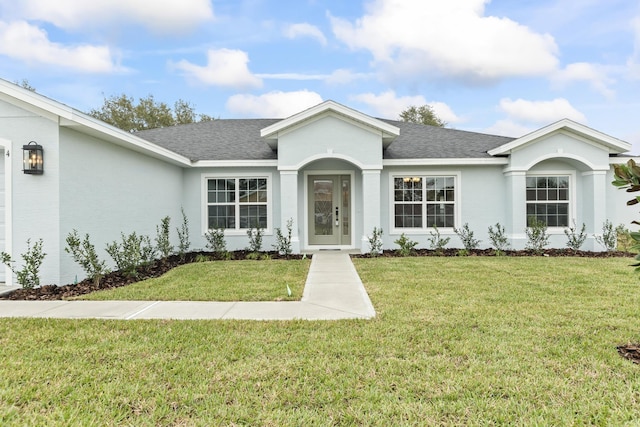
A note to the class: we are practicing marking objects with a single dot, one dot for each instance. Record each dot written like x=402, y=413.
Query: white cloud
x=525, y=116
x=161, y=16
x=594, y=74
x=450, y=39
x=633, y=62
x=540, y=112
x=509, y=128
x=337, y=77
x=304, y=29
x=30, y=44
x=274, y=104
x=293, y=76
x=343, y=76
x=389, y=105
x=225, y=67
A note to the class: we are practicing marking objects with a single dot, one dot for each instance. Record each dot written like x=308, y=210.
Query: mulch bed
x=511, y=253
x=630, y=351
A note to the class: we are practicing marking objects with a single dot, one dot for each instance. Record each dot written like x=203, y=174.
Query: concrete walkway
x=333, y=290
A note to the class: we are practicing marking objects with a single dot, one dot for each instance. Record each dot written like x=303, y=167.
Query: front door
x=329, y=210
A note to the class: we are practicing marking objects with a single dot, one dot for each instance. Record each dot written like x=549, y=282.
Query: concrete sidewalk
x=333, y=290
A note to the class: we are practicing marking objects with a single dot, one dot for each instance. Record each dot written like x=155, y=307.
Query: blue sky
x=501, y=67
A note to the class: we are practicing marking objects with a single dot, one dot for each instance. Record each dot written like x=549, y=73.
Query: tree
x=25, y=84
x=628, y=177
x=122, y=112
x=423, y=114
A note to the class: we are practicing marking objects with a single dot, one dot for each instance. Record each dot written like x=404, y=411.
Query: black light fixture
x=32, y=159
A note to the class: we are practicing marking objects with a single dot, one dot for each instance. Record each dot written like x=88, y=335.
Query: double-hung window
x=237, y=203
x=548, y=199
x=424, y=201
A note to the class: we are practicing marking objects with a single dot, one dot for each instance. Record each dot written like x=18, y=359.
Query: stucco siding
x=106, y=190
x=560, y=145
x=35, y=205
x=329, y=137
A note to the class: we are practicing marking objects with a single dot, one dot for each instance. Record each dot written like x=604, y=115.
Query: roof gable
x=614, y=145
x=387, y=131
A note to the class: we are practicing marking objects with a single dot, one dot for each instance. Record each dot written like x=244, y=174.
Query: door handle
x=337, y=216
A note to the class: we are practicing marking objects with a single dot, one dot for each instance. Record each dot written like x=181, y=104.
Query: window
x=237, y=203
x=548, y=200
x=424, y=201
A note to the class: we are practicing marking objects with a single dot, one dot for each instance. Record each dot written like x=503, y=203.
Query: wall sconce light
x=32, y=159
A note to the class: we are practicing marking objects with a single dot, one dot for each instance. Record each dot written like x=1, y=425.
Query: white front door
x=329, y=210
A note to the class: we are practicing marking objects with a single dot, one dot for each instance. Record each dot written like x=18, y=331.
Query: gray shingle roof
x=239, y=139
x=417, y=141
x=226, y=139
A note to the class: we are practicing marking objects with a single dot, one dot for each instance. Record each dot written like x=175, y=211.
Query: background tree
x=423, y=114
x=122, y=112
x=25, y=84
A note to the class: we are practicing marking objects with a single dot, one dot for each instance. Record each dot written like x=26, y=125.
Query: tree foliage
x=423, y=114
x=123, y=112
x=24, y=83
x=628, y=177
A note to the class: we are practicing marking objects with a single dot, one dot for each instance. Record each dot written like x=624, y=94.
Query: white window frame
x=571, y=211
x=237, y=176
x=425, y=229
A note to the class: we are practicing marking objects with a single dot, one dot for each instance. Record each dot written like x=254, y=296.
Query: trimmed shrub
x=84, y=253
x=29, y=276
x=407, y=246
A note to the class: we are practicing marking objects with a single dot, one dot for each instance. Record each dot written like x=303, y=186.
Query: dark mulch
x=116, y=279
x=511, y=253
x=630, y=351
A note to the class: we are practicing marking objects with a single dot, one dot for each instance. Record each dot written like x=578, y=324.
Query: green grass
x=218, y=281
x=457, y=341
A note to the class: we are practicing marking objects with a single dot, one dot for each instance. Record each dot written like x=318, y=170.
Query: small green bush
x=575, y=239
x=183, y=236
x=216, y=242
x=283, y=243
x=407, y=246
x=608, y=239
x=163, y=241
x=537, y=237
x=255, y=238
x=29, y=276
x=437, y=242
x=466, y=236
x=133, y=253
x=498, y=239
x=375, y=242
x=84, y=253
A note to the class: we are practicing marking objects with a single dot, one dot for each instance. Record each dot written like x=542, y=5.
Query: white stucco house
x=335, y=172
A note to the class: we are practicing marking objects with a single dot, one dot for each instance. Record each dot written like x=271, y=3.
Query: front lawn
x=218, y=281
x=457, y=341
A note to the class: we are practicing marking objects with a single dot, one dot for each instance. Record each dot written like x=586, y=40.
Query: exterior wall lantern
x=32, y=159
